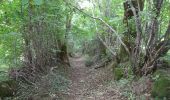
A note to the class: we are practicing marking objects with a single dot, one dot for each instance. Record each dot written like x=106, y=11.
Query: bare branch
x=105, y=23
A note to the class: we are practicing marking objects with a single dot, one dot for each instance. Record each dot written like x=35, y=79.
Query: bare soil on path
x=91, y=84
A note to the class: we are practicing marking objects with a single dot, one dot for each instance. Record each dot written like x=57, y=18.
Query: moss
x=118, y=73
x=161, y=88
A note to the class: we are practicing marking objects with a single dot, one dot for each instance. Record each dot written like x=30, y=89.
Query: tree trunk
x=145, y=63
x=64, y=48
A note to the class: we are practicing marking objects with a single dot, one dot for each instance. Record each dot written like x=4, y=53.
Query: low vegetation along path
x=91, y=84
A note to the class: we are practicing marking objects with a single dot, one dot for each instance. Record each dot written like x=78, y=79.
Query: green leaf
x=38, y=2
x=24, y=2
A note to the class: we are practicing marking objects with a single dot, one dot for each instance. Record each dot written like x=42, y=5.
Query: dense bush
x=118, y=73
x=161, y=86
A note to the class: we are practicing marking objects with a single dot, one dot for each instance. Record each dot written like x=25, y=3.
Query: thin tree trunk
x=64, y=48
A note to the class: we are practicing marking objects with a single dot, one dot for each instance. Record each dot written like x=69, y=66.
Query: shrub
x=46, y=85
x=118, y=73
x=161, y=86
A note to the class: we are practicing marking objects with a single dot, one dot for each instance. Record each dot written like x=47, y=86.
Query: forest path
x=91, y=84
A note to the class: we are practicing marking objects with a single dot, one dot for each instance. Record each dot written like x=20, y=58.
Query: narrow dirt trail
x=91, y=84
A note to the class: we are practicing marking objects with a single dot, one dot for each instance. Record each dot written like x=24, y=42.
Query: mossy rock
x=161, y=88
x=118, y=73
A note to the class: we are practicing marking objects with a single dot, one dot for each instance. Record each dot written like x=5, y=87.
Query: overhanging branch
x=105, y=23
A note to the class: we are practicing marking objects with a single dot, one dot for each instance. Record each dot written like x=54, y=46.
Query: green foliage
x=125, y=85
x=10, y=37
x=123, y=70
x=50, y=18
x=38, y=2
x=10, y=48
x=161, y=86
x=166, y=60
x=118, y=73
